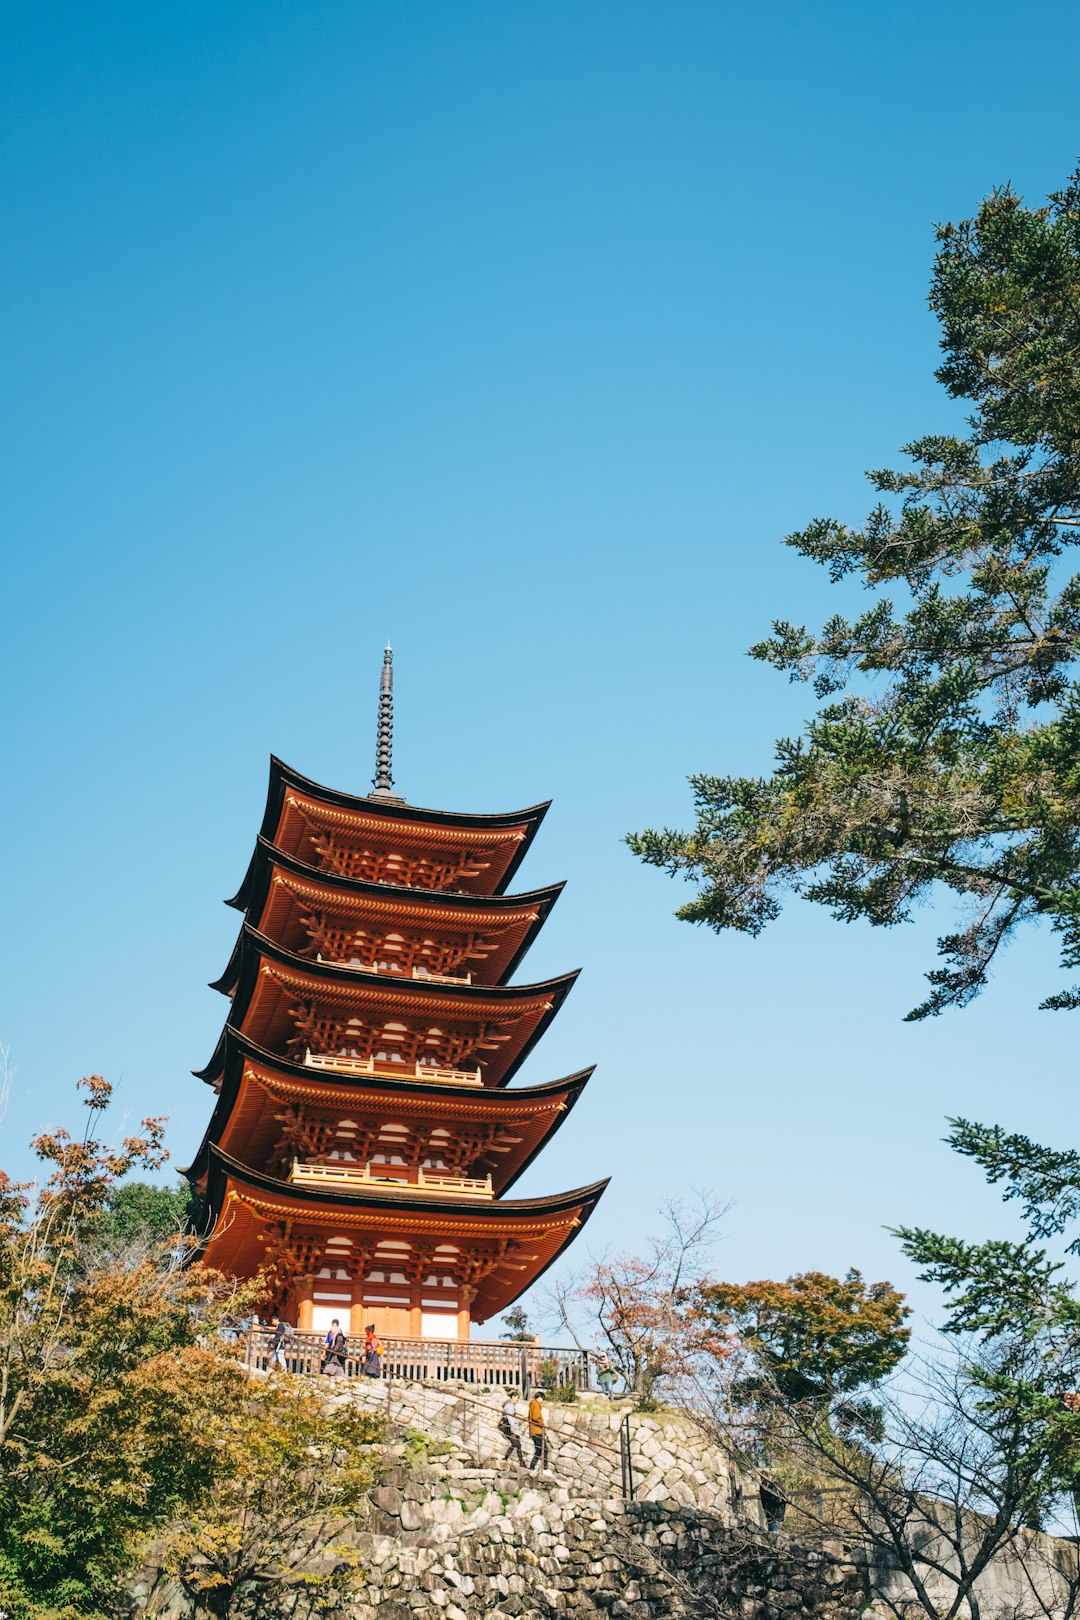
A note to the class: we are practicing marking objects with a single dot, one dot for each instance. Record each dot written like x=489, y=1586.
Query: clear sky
x=521, y=334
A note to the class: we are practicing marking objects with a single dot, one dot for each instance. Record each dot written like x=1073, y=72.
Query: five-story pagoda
x=364, y=1136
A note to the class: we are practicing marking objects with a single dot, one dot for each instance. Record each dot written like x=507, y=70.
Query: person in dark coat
x=508, y=1428
x=373, y=1350
x=277, y=1343
x=334, y=1360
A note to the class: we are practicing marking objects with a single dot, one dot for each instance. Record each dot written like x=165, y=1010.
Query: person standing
x=773, y=1504
x=334, y=1361
x=373, y=1349
x=537, y=1430
x=605, y=1373
x=277, y=1343
x=508, y=1428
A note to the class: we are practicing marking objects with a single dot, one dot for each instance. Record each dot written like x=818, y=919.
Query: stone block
x=412, y=1515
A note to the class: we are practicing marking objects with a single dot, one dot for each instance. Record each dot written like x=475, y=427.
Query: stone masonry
x=455, y=1532
x=458, y=1541
x=672, y=1461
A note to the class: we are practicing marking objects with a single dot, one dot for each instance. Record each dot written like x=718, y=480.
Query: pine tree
x=954, y=758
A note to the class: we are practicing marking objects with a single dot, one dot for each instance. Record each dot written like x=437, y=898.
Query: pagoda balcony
x=388, y=1178
x=424, y=975
x=338, y=1063
x=497, y=1362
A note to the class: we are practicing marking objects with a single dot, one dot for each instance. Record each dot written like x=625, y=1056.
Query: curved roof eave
x=238, y=1048
x=239, y=977
x=283, y=777
x=267, y=854
x=572, y=1232
x=572, y=1095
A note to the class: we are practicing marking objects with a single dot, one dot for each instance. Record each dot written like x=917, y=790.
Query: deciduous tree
x=273, y=1526
x=636, y=1308
x=813, y=1336
x=964, y=1470
x=107, y=1374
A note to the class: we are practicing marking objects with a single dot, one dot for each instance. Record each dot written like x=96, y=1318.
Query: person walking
x=508, y=1428
x=277, y=1343
x=537, y=1430
x=334, y=1360
x=373, y=1350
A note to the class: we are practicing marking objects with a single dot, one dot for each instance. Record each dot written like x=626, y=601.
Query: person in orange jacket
x=538, y=1430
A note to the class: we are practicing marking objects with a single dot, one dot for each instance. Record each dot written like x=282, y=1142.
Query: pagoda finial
x=383, y=782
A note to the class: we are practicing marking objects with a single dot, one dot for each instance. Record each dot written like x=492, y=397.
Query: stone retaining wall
x=672, y=1460
x=453, y=1531
x=462, y=1542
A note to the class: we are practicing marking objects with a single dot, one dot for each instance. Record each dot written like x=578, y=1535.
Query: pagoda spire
x=382, y=786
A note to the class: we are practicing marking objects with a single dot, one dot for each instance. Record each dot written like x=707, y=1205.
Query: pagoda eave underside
x=520, y=1238
x=272, y=980
x=284, y=889
x=245, y=1122
x=294, y=804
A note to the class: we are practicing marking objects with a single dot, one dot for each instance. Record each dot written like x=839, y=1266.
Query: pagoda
x=365, y=1134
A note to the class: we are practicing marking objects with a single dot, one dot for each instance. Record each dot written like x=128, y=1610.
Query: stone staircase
x=459, y=1532
x=671, y=1459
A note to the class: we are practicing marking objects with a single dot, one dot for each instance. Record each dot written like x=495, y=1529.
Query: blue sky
x=521, y=334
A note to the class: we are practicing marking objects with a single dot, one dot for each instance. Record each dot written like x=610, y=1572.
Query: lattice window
x=396, y=1262
x=292, y=1256
x=442, y=956
x=390, y=952
x=322, y=1032
x=338, y=944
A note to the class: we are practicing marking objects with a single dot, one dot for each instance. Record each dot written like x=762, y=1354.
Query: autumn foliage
x=639, y=1309
x=274, y=1522
x=102, y=1379
x=120, y=1406
x=811, y=1336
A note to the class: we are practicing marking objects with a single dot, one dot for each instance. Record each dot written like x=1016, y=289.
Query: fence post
x=626, y=1460
x=526, y=1382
